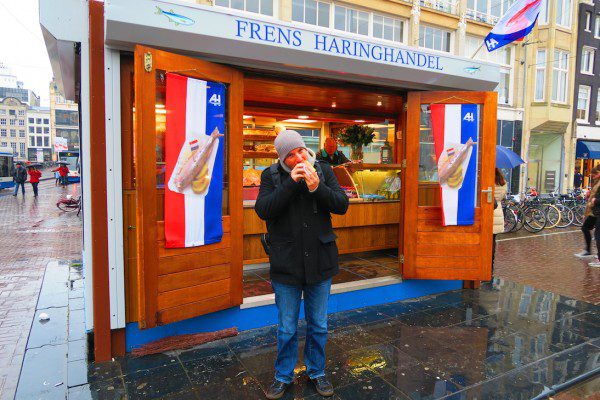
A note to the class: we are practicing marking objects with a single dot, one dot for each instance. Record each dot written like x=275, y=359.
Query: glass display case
x=370, y=182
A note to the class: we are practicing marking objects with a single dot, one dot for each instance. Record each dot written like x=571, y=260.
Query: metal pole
x=526, y=150
x=477, y=51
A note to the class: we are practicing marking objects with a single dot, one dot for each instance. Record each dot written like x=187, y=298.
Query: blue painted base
x=257, y=317
x=7, y=185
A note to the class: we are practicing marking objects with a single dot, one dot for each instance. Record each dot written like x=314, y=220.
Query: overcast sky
x=22, y=46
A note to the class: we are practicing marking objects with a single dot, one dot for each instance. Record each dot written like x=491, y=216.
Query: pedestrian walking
x=19, y=177
x=590, y=219
x=34, y=178
x=296, y=198
x=577, y=178
x=63, y=173
x=499, y=194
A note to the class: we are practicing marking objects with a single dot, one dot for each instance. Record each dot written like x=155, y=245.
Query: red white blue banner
x=455, y=135
x=194, y=161
x=515, y=24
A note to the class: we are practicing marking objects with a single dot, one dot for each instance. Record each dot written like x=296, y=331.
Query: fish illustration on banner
x=455, y=134
x=194, y=136
x=515, y=24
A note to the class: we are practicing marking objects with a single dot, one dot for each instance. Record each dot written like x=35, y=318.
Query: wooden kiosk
x=174, y=291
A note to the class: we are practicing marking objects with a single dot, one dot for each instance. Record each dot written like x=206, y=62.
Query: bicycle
x=69, y=203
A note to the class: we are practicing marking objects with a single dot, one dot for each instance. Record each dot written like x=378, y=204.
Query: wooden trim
x=99, y=221
x=117, y=340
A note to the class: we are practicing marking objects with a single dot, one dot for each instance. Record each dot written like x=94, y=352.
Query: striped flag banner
x=455, y=135
x=194, y=161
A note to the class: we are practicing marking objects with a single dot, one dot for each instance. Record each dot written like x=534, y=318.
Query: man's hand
x=297, y=173
x=312, y=178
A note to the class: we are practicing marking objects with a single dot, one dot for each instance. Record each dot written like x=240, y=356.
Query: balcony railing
x=481, y=17
x=446, y=6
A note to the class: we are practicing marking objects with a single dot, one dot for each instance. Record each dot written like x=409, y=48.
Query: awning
x=588, y=149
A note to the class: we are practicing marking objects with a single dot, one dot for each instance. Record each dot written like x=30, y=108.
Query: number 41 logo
x=469, y=117
x=215, y=99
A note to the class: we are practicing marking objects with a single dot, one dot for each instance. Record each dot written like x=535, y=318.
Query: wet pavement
x=546, y=260
x=33, y=234
x=502, y=341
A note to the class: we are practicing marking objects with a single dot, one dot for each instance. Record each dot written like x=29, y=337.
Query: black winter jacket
x=303, y=249
x=20, y=175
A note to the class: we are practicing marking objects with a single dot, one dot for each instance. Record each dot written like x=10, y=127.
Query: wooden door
x=433, y=251
x=175, y=284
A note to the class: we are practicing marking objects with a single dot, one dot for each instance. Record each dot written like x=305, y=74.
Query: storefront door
x=180, y=283
x=433, y=251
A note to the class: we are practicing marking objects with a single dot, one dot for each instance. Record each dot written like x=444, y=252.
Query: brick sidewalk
x=34, y=232
x=546, y=261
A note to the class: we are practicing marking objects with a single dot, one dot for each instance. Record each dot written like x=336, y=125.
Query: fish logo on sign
x=177, y=19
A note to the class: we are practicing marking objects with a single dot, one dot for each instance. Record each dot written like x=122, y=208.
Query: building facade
x=11, y=87
x=549, y=55
x=38, y=134
x=586, y=115
x=64, y=119
x=13, y=126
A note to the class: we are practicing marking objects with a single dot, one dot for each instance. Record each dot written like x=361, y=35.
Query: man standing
x=330, y=153
x=577, y=178
x=296, y=198
x=19, y=177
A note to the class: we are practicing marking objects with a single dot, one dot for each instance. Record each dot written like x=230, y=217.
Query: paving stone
x=50, y=332
x=44, y=374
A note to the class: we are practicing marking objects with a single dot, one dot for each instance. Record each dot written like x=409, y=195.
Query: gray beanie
x=287, y=141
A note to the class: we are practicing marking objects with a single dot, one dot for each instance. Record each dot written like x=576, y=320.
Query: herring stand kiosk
x=116, y=58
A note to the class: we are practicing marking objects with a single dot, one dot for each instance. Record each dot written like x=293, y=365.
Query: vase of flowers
x=356, y=136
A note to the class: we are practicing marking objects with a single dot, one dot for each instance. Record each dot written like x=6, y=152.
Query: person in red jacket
x=63, y=172
x=34, y=178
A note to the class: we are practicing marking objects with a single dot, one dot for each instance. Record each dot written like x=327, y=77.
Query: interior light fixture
x=248, y=116
x=300, y=121
x=379, y=103
x=303, y=116
x=333, y=104
x=159, y=105
x=360, y=121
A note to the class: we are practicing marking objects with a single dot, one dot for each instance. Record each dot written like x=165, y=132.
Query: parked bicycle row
x=535, y=212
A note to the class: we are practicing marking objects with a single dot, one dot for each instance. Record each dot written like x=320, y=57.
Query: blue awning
x=588, y=149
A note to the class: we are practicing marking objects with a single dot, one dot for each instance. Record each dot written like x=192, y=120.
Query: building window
x=583, y=104
x=560, y=72
x=311, y=12
x=11, y=112
x=4, y=144
x=540, y=76
x=12, y=122
x=31, y=120
x=502, y=56
x=31, y=141
x=2, y=121
x=31, y=129
x=46, y=142
x=447, y=6
x=22, y=149
x=38, y=129
x=484, y=11
x=597, y=27
x=563, y=13
x=434, y=38
x=21, y=113
x=543, y=16
x=264, y=7
x=13, y=133
x=588, y=55
x=38, y=121
x=2, y=111
x=350, y=20
x=21, y=122
x=3, y=132
x=588, y=21
x=598, y=106
x=46, y=130
x=46, y=121
x=39, y=141
x=22, y=133
x=14, y=147
x=388, y=28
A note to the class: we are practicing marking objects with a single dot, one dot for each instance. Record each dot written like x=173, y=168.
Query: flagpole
x=477, y=51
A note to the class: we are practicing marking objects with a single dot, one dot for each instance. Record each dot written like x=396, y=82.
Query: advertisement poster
x=194, y=144
x=455, y=135
x=60, y=144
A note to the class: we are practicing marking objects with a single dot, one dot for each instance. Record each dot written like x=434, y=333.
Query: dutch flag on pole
x=518, y=21
x=455, y=134
x=195, y=109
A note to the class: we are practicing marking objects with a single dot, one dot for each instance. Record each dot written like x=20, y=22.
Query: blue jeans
x=288, y=299
x=17, y=188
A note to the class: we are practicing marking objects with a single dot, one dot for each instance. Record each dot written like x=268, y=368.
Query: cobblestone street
x=34, y=232
x=546, y=261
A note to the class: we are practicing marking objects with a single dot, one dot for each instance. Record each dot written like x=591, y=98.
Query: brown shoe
x=323, y=386
x=277, y=389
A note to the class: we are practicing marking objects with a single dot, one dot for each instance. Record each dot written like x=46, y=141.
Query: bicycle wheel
x=552, y=215
x=66, y=207
x=534, y=219
x=578, y=214
x=566, y=216
x=510, y=220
